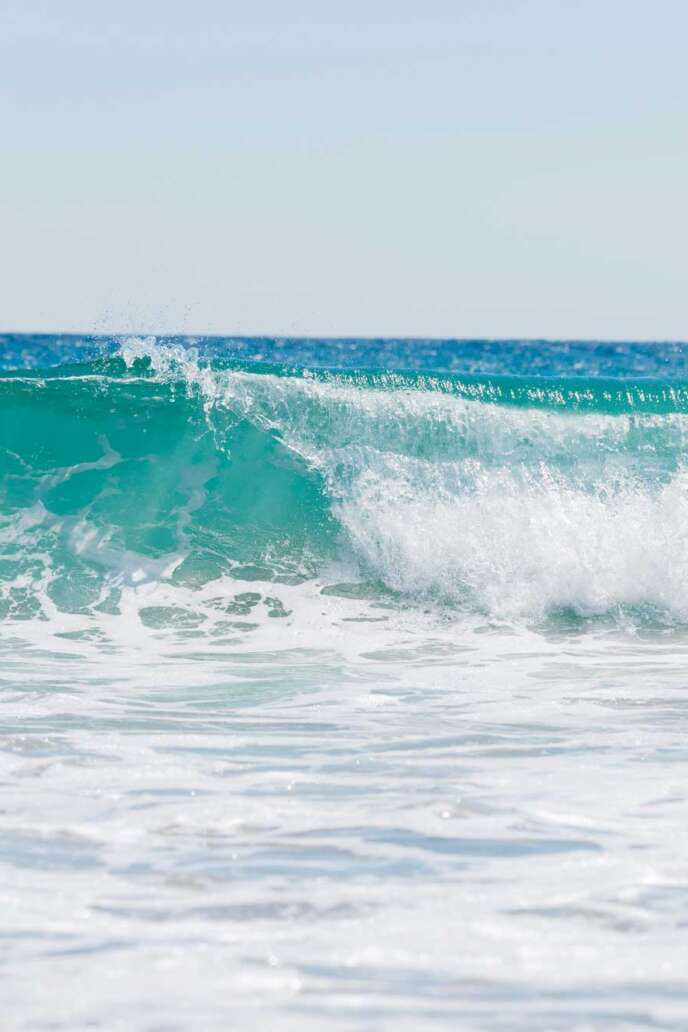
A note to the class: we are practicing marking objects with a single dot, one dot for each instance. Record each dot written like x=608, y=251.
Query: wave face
x=512, y=481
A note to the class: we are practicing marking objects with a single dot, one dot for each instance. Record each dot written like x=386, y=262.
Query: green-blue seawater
x=342, y=684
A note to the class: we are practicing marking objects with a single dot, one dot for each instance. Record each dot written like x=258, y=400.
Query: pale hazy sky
x=466, y=168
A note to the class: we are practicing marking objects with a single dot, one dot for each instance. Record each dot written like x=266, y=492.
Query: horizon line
x=338, y=338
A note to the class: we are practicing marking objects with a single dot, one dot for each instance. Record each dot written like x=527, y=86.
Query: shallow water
x=398, y=764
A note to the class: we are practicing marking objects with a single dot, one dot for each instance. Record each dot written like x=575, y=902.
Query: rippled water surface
x=378, y=759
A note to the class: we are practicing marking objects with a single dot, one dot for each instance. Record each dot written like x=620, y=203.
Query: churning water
x=343, y=685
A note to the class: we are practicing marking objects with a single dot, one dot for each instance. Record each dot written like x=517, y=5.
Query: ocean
x=344, y=684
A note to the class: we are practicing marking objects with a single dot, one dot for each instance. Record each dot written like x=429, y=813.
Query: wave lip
x=507, y=496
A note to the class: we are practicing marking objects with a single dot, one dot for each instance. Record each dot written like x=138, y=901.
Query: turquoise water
x=343, y=683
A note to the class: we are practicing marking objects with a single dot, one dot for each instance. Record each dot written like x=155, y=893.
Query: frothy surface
x=345, y=692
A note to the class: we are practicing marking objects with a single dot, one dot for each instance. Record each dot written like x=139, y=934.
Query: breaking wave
x=513, y=497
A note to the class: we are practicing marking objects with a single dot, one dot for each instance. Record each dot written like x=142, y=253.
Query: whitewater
x=343, y=684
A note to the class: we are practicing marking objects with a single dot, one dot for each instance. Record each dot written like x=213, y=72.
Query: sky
x=473, y=168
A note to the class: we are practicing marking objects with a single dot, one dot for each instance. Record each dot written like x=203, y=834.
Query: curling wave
x=518, y=497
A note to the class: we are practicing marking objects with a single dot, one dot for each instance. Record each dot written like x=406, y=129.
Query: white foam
x=523, y=547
